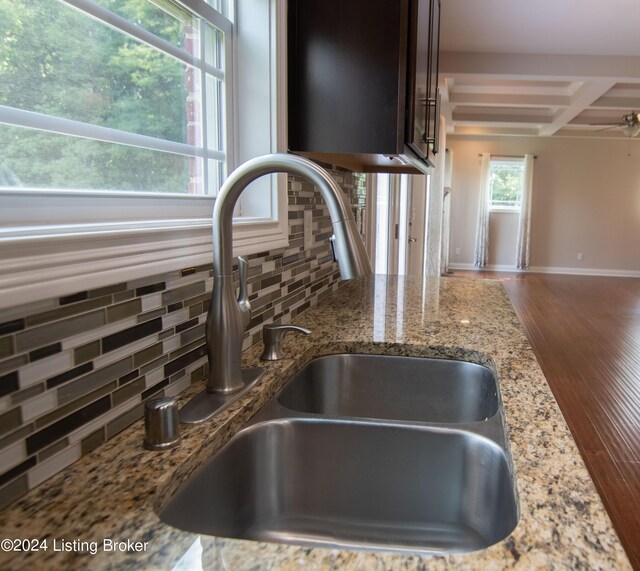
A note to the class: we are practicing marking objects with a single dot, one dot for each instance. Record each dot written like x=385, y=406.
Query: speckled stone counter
x=114, y=492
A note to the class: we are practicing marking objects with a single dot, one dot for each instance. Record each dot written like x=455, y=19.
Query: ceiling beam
x=446, y=109
x=477, y=130
x=589, y=117
x=510, y=100
x=511, y=93
x=591, y=91
x=539, y=66
x=498, y=115
x=612, y=102
x=608, y=134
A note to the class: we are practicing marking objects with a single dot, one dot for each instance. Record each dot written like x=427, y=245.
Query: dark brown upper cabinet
x=363, y=83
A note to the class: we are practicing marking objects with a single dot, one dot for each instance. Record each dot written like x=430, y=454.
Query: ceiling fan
x=630, y=124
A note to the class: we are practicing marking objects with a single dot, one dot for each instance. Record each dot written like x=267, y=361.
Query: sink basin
x=352, y=484
x=393, y=388
x=364, y=452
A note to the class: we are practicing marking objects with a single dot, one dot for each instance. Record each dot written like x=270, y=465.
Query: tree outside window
x=506, y=180
x=57, y=62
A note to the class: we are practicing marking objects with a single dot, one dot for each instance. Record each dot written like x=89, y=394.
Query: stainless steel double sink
x=364, y=452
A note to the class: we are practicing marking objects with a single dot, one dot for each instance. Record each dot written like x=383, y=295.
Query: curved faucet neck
x=337, y=204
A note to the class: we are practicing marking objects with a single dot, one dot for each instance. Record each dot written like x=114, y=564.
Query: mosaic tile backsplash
x=76, y=370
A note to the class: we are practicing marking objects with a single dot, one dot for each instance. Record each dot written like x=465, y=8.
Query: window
x=114, y=95
x=506, y=180
x=119, y=120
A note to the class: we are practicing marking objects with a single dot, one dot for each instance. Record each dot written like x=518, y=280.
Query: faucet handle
x=332, y=243
x=272, y=336
x=243, y=296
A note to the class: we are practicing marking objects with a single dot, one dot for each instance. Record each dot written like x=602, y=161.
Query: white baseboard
x=490, y=267
x=552, y=270
x=586, y=271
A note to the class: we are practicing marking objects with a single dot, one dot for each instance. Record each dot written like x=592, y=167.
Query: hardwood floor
x=585, y=332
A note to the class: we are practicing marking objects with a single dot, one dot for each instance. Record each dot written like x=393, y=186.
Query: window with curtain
x=506, y=185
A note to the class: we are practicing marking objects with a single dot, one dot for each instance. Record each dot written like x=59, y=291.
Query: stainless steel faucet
x=228, y=317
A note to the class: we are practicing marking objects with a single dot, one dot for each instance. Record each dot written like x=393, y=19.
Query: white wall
x=503, y=232
x=586, y=198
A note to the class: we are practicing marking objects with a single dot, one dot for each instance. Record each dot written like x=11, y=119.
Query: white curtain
x=481, y=252
x=524, y=224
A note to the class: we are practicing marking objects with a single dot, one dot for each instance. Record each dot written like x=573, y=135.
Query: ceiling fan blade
x=608, y=128
x=608, y=124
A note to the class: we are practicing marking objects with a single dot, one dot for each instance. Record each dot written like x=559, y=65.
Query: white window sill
x=66, y=259
x=504, y=210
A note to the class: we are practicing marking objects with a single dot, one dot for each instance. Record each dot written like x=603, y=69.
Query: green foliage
x=506, y=180
x=55, y=60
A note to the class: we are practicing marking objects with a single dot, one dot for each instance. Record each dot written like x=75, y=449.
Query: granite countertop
x=113, y=492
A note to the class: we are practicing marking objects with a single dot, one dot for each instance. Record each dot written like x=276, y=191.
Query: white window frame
x=45, y=260
x=503, y=208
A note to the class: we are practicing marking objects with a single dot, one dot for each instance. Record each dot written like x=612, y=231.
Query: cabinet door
x=433, y=98
x=347, y=73
x=418, y=87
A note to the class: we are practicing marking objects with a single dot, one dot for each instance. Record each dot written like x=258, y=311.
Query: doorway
x=397, y=222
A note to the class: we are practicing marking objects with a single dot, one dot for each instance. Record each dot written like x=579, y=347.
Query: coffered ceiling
x=542, y=68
